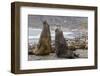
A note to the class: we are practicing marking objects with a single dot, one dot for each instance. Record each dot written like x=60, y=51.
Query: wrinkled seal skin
x=61, y=46
x=44, y=45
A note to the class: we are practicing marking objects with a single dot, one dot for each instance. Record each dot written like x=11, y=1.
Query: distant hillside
x=67, y=22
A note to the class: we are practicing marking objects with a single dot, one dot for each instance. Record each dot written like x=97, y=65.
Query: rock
x=53, y=49
x=72, y=46
x=61, y=45
x=44, y=45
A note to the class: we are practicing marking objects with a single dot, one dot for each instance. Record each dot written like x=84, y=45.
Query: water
x=34, y=35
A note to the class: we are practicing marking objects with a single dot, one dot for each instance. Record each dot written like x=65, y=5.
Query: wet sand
x=52, y=56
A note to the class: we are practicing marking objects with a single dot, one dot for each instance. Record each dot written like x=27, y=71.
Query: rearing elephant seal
x=62, y=46
x=44, y=45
